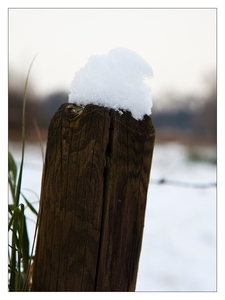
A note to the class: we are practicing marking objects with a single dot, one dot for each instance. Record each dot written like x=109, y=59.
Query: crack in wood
x=93, y=209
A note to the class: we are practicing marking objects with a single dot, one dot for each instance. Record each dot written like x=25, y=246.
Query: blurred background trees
x=181, y=118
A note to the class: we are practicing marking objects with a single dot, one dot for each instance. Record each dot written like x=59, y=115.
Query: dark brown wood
x=93, y=199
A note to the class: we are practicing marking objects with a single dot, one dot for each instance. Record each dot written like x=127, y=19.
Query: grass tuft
x=18, y=250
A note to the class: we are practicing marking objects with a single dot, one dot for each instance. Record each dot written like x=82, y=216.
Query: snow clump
x=116, y=80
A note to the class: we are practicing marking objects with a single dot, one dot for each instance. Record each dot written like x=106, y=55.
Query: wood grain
x=93, y=200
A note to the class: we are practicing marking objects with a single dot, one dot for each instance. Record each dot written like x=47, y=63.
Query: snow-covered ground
x=179, y=241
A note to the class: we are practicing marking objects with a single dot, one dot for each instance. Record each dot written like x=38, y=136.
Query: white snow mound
x=115, y=80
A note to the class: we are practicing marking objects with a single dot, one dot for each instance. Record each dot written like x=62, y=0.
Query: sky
x=179, y=44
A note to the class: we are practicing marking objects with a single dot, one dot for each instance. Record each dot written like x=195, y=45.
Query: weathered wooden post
x=93, y=200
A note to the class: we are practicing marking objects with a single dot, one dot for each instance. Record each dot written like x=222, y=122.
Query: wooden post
x=93, y=199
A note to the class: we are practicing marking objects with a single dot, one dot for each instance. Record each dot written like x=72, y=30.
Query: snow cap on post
x=116, y=80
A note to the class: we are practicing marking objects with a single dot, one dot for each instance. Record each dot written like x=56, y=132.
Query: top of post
x=117, y=80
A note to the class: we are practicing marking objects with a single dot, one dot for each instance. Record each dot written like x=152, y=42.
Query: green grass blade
x=16, y=225
x=10, y=209
x=12, y=168
x=19, y=248
x=21, y=225
x=11, y=221
x=12, y=189
x=12, y=174
x=13, y=227
x=23, y=239
x=25, y=247
x=23, y=135
x=30, y=205
x=21, y=220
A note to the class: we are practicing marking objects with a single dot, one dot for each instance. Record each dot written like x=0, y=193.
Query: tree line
x=187, y=118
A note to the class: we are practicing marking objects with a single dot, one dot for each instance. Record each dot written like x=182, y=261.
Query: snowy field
x=179, y=242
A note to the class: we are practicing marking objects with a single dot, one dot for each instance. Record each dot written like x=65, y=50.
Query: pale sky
x=179, y=44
